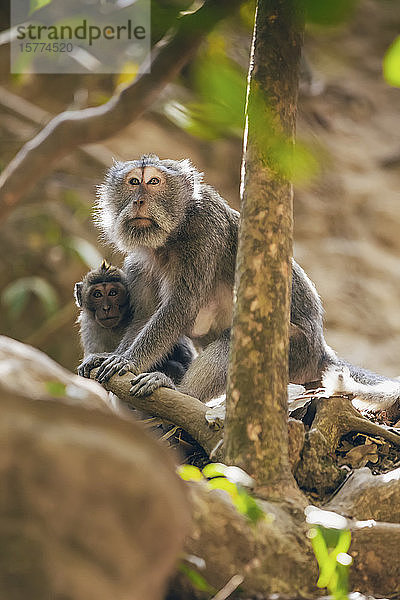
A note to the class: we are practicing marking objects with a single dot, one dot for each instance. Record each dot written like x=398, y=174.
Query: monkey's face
x=142, y=202
x=108, y=303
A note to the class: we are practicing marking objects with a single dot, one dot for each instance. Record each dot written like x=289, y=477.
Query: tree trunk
x=256, y=423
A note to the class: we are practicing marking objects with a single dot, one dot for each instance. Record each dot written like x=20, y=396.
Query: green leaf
x=196, y=579
x=251, y=508
x=343, y=543
x=243, y=502
x=16, y=295
x=330, y=547
x=326, y=562
x=220, y=85
x=86, y=251
x=319, y=545
x=56, y=388
x=391, y=64
x=37, y=4
x=190, y=473
x=214, y=470
x=329, y=12
x=221, y=483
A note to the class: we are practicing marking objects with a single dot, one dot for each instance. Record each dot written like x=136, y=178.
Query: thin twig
x=229, y=588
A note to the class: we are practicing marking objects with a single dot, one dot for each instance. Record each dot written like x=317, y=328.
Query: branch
x=36, y=116
x=59, y=429
x=182, y=410
x=72, y=128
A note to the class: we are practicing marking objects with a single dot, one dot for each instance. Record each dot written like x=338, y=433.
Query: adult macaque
x=180, y=238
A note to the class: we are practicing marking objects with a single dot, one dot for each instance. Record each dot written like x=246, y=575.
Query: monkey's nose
x=138, y=202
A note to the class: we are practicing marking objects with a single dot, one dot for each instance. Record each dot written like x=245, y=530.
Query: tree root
x=335, y=416
x=87, y=448
x=365, y=496
x=375, y=550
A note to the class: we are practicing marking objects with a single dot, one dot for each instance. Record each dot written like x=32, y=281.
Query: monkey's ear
x=78, y=293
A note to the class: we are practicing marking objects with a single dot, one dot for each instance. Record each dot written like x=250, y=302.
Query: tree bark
x=256, y=422
x=75, y=464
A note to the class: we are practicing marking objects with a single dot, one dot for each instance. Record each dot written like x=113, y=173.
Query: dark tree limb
x=170, y=405
x=72, y=128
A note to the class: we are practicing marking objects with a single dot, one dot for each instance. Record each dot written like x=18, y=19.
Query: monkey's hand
x=92, y=361
x=115, y=363
x=146, y=383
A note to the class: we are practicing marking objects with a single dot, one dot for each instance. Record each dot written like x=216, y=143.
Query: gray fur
x=369, y=391
x=98, y=343
x=186, y=264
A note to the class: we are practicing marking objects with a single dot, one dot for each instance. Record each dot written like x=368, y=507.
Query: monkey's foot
x=91, y=362
x=115, y=363
x=146, y=383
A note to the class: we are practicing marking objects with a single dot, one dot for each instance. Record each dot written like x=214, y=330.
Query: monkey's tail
x=371, y=392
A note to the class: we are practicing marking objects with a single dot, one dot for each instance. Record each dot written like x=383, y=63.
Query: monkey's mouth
x=108, y=322
x=142, y=222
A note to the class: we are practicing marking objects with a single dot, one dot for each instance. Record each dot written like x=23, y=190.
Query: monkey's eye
x=112, y=293
x=97, y=294
x=134, y=181
x=154, y=181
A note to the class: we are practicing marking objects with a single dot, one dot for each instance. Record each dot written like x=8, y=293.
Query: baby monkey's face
x=108, y=302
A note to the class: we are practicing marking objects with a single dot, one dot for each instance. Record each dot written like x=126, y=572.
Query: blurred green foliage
x=220, y=87
x=220, y=477
x=17, y=294
x=35, y=5
x=219, y=84
x=330, y=540
x=56, y=388
x=329, y=12
x=197, y=580
x=391, y=64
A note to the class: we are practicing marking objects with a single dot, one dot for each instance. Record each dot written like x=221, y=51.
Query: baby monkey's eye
x=134, y=181
x=97, y=294
x=112, y=293
x=154, y=181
